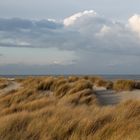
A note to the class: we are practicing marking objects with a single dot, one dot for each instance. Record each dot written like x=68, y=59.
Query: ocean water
x=107, y=77
x=125, y=77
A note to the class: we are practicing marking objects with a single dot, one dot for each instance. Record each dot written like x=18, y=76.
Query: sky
x=69, y=37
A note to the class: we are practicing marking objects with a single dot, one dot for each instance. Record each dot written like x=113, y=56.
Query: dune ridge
x=67, y=108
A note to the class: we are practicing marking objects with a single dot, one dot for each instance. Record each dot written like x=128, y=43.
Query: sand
x=111, y=97
x=12, y=85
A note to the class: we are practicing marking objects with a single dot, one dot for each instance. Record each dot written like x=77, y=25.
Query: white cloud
x=93, y=39
x=86, y=31
x=72, y=19
x=104, y=31
x=134, y=23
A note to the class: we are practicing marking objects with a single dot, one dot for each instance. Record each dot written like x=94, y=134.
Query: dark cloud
x=8, y=24
x=14, y=23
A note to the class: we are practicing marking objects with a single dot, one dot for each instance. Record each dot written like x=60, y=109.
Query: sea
x=107, y=77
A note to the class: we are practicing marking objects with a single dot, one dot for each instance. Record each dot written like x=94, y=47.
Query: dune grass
x=70, y=112
x=46, y=84
x=124, y=85
x=104, y=83
x=3, y=83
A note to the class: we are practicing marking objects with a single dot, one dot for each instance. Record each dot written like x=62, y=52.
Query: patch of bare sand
x=12, y=85
x=111, y=97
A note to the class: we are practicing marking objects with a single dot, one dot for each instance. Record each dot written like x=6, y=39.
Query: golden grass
x=124, y=85
x=104, y=83
x=73, y=78
x=62, y=90
x=46, y=84
x=93, y=79
x=58, y=83
x=65, y=109
x=3, y=83
x=80, y=85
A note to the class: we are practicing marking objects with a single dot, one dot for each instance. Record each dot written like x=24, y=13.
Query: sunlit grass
x=66, y=108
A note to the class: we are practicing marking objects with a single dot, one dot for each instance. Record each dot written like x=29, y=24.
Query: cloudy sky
x=69, y=37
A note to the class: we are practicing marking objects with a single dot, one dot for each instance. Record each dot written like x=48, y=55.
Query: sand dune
x=111, y=97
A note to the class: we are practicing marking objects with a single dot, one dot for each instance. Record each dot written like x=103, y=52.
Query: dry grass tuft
x=3, y=83
x=83, y=97
x=73, y=78
x=94, y=79
x=80, y=85
x=58, y=83
x=104, y=83
x=62, y=90
x=124, y=85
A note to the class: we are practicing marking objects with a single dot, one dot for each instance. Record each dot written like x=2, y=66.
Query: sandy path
x=110, y=97
x=12, y=85
x=127, y=95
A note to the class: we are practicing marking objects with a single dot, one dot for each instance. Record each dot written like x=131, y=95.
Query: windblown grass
x=124, y=85
x=3, y=83
x=73, y=78
x=46, y=84
x=60, y=108
x=104, y=83
x=80, y=85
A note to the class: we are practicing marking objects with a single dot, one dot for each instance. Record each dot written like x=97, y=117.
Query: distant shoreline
x=106, y=76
